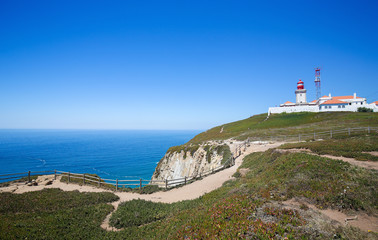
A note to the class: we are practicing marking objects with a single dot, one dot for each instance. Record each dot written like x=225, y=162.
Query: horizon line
x=104, y=129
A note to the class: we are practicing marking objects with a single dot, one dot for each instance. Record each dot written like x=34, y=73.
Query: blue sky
x=176, y=64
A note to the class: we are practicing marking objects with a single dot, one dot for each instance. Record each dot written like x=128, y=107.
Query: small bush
x=364, y=109
x=237, y=174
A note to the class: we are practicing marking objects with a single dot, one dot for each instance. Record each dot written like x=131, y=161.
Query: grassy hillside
x=287, y=124
x=248, y=207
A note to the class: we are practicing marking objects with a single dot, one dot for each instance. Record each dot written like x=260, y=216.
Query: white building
x=324, y=104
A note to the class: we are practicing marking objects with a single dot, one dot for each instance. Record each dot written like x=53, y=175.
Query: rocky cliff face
x=191, y=161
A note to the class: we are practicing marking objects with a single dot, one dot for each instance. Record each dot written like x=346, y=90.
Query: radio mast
x=317, y=83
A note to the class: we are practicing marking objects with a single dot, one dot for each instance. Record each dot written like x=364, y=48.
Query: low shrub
x=351, y=147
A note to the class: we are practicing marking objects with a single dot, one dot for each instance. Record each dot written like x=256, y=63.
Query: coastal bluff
x=191, y=160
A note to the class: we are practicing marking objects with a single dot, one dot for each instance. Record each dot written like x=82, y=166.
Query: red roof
x=333, y=101
x=344, y=97
x=325, y=96
x=376, y=102
x=287, y=102
x=314, y=101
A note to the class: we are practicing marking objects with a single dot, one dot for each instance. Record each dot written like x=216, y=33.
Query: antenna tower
x=317, y=83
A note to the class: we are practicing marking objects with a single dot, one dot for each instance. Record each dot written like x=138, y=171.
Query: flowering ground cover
x=352, y=147
x=247, y=207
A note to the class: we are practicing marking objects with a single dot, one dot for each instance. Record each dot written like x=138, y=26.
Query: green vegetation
x=223, y=150
x=192, y=148
x=53, y=214
x=243, y=208
x=259, y=126
x=247, y=207
x=141, y=212
x=281, y=176
x=364, y=109
x=239, y=217
x=351, y=147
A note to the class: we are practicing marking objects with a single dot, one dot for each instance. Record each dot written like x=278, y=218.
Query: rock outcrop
x=191, y=161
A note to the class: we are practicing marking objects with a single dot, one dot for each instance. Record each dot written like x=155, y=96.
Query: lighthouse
x=300, y=93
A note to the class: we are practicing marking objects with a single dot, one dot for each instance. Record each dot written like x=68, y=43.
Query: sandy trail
x=364, y=164
x=187, y=192
x=361, y=220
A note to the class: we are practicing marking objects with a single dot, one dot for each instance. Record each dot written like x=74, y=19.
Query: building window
x=350, y=103
x=343, y=106
x=339, y=106
x=361, y=103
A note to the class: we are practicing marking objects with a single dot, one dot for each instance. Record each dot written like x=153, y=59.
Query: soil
x=360, y=220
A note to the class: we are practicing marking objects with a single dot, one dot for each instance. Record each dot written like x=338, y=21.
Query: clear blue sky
x=176, y=64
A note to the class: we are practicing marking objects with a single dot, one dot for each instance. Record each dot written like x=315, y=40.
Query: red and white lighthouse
x=300, y=93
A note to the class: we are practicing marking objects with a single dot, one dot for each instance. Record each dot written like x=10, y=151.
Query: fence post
x=299, y=137
x=29, y=179
x=314, y=136
x=185, y=180
x=55, y=174
x=84, y=179
x=330, y=132
x=369, y=129
x=349, y=131
x=69, y=176
x=140, y=183
x=166, y=184
x=117, y=185
x=99, y=182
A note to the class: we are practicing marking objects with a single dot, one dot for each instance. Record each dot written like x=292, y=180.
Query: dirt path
x=361, y=220
x=187, y=192
x=364, y=164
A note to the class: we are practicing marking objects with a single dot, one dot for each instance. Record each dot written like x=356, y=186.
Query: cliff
x=191, y=160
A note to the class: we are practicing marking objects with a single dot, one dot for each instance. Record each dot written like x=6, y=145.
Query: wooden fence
x=317, y=135
x=116, y=184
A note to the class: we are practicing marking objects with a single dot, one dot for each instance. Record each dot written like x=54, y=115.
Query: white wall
x=293, y=109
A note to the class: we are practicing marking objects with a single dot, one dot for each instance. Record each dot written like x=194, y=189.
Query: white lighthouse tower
x=300, y=94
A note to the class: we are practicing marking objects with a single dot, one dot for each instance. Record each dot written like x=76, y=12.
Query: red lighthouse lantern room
x=300, y=85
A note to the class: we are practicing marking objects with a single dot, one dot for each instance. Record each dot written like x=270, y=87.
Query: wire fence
x=116, y=184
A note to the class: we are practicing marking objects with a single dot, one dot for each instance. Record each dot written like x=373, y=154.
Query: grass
x=53, y=214
x=258, y=126
x=281, y=176
x=351, y=147
x=244, y=208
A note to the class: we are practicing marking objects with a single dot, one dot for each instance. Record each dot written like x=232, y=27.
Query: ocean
x=114, y=154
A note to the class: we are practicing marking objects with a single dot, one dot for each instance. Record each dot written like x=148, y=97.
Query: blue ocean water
x=111, y=154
